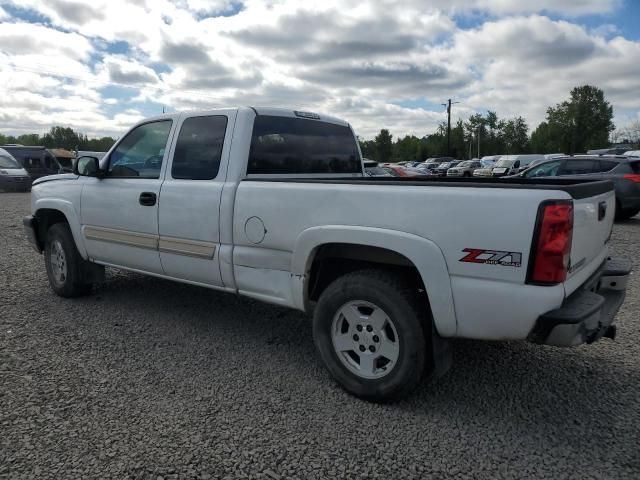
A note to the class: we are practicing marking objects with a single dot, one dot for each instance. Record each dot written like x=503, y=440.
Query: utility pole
x=478, y=142
x=448, y=105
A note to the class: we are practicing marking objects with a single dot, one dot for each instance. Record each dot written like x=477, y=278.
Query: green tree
x=384, y=146
x=367, y=148
x=62, y=137
x=29, y=139
x=515, y=136
x=577, y=125
x=407, y=149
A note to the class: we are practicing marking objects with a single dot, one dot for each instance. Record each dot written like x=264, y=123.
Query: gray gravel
x=151, y=379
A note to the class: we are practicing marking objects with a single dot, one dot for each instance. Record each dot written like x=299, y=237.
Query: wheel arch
x=50, y=212
x=392, y=248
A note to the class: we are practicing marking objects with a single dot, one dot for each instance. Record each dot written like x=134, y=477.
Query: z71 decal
x=492, y=257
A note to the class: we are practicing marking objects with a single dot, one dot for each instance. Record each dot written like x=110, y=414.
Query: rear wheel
x=64, y=263
x=625, y=213
x=369, y=330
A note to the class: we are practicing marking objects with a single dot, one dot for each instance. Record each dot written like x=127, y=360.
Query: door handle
x=147, y=199
x=602, y=210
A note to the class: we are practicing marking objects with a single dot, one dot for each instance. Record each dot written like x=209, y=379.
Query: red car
x=399, y=171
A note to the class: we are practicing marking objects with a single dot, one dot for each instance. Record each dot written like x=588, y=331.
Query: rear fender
x=425, y=255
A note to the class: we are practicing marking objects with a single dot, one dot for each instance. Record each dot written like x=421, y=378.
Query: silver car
x=464, y=169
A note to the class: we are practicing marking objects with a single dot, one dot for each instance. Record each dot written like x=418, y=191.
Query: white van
x=12, y=175
x=512, y=164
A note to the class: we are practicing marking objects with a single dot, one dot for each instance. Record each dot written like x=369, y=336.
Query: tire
x=627, y=213
x=63, y=263
x=467, y=175
x=391, y=308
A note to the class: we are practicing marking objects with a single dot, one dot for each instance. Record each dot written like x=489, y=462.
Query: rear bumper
x=587, y=314
x=30, y=228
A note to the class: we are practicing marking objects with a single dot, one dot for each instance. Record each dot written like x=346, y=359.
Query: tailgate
x=592, y=223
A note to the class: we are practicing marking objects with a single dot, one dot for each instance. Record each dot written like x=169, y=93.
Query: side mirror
x=87, y=167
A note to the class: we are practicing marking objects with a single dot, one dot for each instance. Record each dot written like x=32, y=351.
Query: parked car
x=38, y=161
x=512, y=164
x=487, y=162
x=623, y=171
x=464, y=169
x=439, y=160
x=412, y=164
x=12, y=175
x=632, y=153
x=378, y=172
x=441, y=170
x=400, y=171
x=609, y=151
x=283, y=216
x=426, y=168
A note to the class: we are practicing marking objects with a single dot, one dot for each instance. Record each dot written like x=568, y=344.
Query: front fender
x=68, y=210
x=423, y=253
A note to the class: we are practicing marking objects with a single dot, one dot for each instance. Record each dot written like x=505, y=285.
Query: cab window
x=199, y=148
x=549, y=169
x=140, y=153
x=284, y=145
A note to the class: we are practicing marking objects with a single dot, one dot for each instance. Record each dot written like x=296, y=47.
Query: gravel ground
x=151, y=379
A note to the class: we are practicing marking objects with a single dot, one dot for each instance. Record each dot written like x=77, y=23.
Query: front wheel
x=64, y=263
x=369, y=330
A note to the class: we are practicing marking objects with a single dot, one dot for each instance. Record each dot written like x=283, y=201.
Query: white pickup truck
x=273, y=204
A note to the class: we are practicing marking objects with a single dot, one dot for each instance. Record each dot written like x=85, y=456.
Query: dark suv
x=38, y=161
x=623, y=171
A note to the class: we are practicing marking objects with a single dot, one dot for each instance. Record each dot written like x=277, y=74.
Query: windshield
x=468, y=163
x=504, y=163
x=445, y=165
x=8, y=162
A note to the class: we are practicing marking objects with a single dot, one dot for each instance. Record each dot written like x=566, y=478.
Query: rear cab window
x=301, y=146
x=199, y=148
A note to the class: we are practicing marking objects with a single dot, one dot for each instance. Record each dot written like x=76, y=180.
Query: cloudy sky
x=98, y=66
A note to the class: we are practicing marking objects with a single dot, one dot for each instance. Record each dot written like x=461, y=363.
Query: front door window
x=140, y=153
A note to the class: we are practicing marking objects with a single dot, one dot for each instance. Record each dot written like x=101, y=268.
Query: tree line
x=60, y=137
x=581, y=123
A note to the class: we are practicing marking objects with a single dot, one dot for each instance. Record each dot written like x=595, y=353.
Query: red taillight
x=552, y=248
x=634, y=177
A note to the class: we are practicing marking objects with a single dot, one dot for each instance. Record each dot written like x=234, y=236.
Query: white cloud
x=353, y=58
x=3, y=14
x=27, y=38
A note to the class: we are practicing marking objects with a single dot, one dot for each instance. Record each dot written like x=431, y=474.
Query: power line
x=448, y=105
